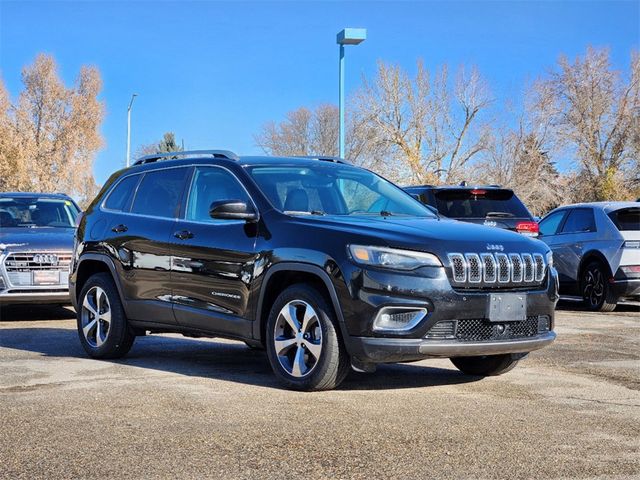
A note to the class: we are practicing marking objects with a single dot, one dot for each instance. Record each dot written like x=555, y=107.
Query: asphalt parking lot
x=178, y=407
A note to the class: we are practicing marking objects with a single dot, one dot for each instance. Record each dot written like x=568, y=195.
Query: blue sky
x=215, y=72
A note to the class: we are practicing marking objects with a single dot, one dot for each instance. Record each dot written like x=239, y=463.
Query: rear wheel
x=485, y=366
x=596, y=291
x=303, y=343
x=102, y=325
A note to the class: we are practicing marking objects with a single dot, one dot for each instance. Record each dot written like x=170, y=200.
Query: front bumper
x=389, y=350
x=45, y=297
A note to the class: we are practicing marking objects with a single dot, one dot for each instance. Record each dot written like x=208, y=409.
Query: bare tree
x=596, y=118
x=429, y=126
x=168, y=144
x=51, y=135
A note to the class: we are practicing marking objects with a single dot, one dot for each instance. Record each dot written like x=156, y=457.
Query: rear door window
x=160, y=192
x=479, y=203
x=580, y=220
x=120, y=197
x=626, y=219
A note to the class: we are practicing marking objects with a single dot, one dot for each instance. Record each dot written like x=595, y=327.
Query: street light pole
x=348, y=36
x=129, y=129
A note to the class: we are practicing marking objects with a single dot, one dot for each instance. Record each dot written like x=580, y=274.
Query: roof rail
x=323, y=158
x=189, y=153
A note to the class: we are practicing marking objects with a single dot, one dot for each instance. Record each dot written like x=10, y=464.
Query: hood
x=36, y=239
x=440, y=236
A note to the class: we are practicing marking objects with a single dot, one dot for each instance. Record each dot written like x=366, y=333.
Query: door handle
x=183, y=235
x=119, y=228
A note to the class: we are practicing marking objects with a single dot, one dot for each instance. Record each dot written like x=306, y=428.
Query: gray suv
x=36, y=241
x=596, y=250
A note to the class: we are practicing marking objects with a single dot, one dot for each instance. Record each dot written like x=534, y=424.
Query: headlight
x=549, y=258
x=392, y=258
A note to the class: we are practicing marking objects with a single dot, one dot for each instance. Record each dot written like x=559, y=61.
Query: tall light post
x=129, y=128
x=348, y=36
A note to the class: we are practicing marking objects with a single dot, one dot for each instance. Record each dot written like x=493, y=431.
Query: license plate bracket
x=507, y=307
x=46, y=277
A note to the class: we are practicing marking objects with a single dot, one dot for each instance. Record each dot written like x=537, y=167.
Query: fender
x=589, y=256
x=100, y=257
x=306, y=268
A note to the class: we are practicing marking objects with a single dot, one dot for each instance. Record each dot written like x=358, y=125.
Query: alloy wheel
x=96, y=317
x=298, y=338
x=594, y=288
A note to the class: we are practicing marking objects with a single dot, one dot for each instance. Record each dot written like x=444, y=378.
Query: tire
x=596, y=291
x=485, y=366
x=303, y=343
x=108, y=336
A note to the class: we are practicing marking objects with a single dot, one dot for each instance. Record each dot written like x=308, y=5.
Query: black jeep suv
x=326, y=265
x=489, y=205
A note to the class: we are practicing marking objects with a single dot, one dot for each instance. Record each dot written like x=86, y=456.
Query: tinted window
x=550, y=224
x=210, y=185
x=479, y=203
x=580, y=220
x=159, y=193
x=120, y=197
x=626, y=219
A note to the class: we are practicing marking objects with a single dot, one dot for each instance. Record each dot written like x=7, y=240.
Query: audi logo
x=46, y=258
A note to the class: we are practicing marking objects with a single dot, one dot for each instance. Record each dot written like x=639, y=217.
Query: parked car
x=488, y=205
x=596, y=250
x=36, y=242
x=324, y=264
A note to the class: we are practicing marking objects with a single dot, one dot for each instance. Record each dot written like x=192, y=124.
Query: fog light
x=398, y=319
x=544, y=324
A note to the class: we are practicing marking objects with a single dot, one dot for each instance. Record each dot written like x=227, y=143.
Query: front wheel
x=102, y=325
x=303, y=344
x=485, y=366
x=596, y=291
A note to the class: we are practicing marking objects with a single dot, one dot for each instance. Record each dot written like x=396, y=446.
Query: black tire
x=118, y=336
x=485, y=366
x=597, y=294
x=332, y=366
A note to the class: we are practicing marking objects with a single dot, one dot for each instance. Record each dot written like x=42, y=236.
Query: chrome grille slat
x=497, y=269
x=19, y=267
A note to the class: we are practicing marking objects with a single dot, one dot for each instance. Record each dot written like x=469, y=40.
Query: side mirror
x=232, y=210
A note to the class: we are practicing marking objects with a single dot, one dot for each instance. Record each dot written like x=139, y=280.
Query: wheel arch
x=590, y=256
x=90, y=264
x=283, y=275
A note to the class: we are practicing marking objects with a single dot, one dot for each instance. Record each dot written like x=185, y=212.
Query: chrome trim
x=502, y=278
x=539, y=267
x=473, y=258
x=453, y=349
x=458, y=278
x=393, y=309
x=487, y=278
x=514, y=258
x=527, y=261
x=225, y=154
x=516, y=269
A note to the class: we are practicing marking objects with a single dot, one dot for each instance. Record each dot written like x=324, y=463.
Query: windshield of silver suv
x=334, y=189
x=34, y=212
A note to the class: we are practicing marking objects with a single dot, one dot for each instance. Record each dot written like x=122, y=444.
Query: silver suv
x=36, y=241
x=596, y=250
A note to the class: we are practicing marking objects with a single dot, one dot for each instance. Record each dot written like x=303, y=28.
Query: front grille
x=480, y=329
x=497, y=270
x=21, y=267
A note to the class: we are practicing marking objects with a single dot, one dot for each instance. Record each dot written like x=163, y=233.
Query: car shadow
x=18, y=313
x=627, y=307
x=232, y=362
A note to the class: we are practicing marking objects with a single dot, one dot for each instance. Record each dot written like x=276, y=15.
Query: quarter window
x=209, y=185
x=580, y=220
x=120, y=197
x=159, y=193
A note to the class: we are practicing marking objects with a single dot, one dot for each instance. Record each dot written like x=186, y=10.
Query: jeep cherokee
x=326, y=265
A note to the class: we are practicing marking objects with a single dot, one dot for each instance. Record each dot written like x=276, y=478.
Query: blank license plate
x=505, y=307
x=46, y=277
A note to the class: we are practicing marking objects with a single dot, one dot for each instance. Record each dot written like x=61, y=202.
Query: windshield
x=480, y=203
x=334, y=189
x=37, y=212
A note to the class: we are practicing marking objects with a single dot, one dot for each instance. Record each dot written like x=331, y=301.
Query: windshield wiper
x=300, y=212
x=499, y=214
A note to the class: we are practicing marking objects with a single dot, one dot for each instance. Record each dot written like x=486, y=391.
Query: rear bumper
x=387, y=350
x=61, y=297
x=627, y=287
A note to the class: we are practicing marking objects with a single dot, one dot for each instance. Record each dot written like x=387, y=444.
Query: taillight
x=631, y=269
x=530, y=229
x=631, y=244
x=478, y=192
